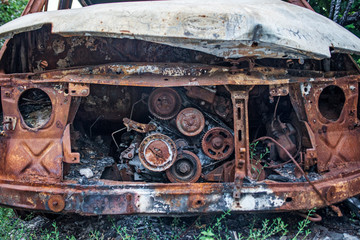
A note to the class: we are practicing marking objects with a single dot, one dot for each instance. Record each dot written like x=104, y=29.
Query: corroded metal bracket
x=9, y=123
x=240, y=96
x=69, y=157
x=138, y=127
x=79, y=90
x=279, y=90
x=310, y=153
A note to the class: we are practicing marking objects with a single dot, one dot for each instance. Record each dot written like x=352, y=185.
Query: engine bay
x=183, y=134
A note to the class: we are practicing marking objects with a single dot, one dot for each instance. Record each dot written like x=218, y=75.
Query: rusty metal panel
x=336, y=133
x=230, y=29
x=35, y=152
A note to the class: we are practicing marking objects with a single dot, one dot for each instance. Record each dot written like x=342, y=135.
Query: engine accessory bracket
x=138, y=127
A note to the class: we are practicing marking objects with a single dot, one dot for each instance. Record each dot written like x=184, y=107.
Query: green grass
x=202, y=228
x=218, y=229
x=10, y=226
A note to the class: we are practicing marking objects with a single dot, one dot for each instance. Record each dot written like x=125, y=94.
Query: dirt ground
x=222, y=226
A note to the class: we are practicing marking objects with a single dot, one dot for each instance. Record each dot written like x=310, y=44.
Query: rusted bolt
x=56, y=203
x=44, y=64
x=184, y=167
x=84, y=92
x=59, y=125
x=217, y=142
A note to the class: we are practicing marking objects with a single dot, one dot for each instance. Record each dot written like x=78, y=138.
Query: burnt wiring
x=92, y=125
x=275, y=110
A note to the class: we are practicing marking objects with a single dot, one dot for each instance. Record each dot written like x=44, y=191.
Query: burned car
x=178, y=107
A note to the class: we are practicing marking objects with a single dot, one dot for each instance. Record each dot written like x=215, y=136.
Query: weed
x=123, y=233
x=209, y=234
x=258, y=154
x=55, y=232
x=53, y=235
x=275, y=228
x=302, y=225
x=354, y=217
x=10, y=226
x=152, y=233
x=96, y=235
x=13, y=228
x=256, y=157
x=176, y=229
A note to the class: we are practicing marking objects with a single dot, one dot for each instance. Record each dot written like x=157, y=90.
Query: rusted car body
x=178, y=107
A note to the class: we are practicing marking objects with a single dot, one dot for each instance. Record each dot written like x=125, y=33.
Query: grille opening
x=35, y=107
x=331, y=102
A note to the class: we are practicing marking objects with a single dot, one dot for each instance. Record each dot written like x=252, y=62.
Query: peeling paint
x=305, y=88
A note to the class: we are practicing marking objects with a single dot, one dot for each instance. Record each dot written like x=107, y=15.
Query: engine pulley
x=164, y=103
x=190, y=122
x=157, y=152
x=187, y=168
x=218, y=143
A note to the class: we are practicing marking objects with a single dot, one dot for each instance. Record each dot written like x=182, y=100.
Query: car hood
x=224, y=28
